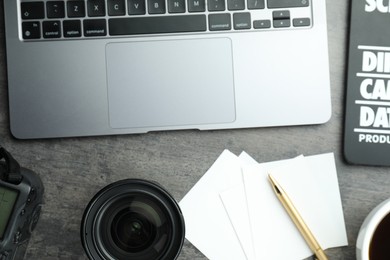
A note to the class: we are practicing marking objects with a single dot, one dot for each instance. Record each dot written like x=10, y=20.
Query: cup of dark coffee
x=374, y=236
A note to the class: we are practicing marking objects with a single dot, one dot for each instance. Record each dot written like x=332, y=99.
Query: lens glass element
x=132, y=232
x=134, y=223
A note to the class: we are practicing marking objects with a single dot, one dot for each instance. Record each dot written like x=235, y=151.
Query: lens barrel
x=132, y=219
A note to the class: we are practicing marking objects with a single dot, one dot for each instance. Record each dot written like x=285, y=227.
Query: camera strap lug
x=10, y=170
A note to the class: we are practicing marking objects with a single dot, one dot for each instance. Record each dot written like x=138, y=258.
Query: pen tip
x=274, y=184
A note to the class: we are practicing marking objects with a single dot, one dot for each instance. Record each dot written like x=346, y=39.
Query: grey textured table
x=74, y=169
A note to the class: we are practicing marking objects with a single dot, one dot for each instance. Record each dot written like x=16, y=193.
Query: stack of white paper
x=233, y=213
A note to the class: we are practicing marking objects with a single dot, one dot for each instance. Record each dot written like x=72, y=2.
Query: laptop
x=104, y=67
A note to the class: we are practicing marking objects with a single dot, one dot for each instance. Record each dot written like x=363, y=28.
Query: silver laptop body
x=120, y=72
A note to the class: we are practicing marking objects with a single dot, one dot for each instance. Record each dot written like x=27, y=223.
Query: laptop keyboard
x=75, y=19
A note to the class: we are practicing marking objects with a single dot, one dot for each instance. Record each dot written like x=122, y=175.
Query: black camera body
x=21, y=195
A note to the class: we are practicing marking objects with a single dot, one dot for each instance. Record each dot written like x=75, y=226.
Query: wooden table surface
x=74, y=169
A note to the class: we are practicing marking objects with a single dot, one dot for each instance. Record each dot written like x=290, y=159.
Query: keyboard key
x=72, y=28
x=236, y=5
x=196, y=6
x=55, y=9
x=33, y=10
x=96, y=27
x=216, y=5
x=299, y=22
x=287, y=3
x=156, y=6
x=176, y=6
x=136, y=7
x=241, y=21
x=51, y=29
x=96, y=8
x=282, y=14
x=282, y=23
x=157, y=24
x=262, y=24
x=31, y=30
x=75, y=9
x=116, y=7
x=219, y=22
x=256, y=4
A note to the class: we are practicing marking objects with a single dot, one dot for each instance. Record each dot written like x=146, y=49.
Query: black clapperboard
x=367, y=112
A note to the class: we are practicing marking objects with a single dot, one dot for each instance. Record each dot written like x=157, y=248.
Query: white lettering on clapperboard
x=374, y=89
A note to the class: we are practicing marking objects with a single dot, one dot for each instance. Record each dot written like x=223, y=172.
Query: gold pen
x=297, y=219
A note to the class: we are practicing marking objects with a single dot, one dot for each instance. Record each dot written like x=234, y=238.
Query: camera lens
x=132, y=219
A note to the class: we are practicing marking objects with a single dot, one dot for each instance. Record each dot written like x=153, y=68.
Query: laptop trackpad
x=170, y=83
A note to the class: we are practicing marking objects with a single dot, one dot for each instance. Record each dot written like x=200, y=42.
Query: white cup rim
x=369, y=226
